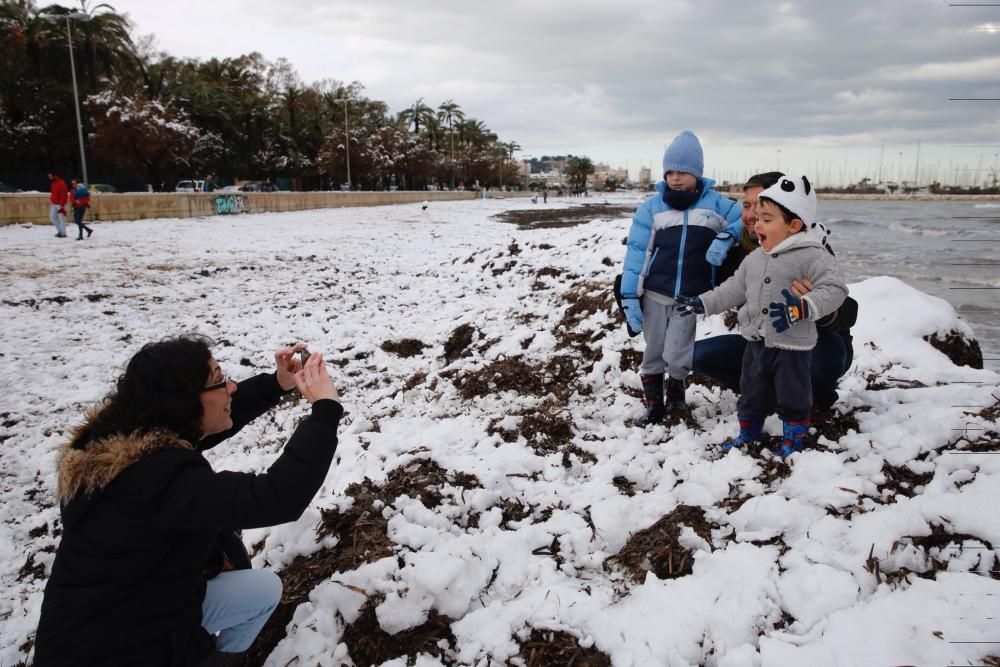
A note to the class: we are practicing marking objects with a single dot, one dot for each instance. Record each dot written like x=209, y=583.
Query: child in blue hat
x=678, y=236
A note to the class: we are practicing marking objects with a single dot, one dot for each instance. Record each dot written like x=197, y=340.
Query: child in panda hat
x=779, y=327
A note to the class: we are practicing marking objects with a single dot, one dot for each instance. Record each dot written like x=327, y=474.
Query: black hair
x=159, y=390
x=764, y=180
x=787, y=214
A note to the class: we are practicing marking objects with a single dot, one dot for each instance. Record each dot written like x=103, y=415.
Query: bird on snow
x=424, y=206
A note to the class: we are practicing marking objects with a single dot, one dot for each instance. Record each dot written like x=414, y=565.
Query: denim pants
x=78, y=214
x=237, y=604
x=58, y=219
x=775, y=380
x=721, y=357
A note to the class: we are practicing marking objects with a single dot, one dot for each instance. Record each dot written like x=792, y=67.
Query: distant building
x=645, y=176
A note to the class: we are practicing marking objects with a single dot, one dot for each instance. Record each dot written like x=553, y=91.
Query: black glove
x=690, y=305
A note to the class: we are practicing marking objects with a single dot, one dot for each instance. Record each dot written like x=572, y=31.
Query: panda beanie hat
x=684, y=154
x=795, y=193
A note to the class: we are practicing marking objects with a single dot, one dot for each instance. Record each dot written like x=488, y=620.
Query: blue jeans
x=237, y=604
x=721, y=358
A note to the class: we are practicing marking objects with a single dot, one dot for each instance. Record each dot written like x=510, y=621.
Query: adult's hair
x=765, y=180
x=159, y=390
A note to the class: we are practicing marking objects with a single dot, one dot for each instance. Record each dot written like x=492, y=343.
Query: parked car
x=229, y=188
x=258, y=186
x=102, y=187
x=7, y=188
x=189, y=186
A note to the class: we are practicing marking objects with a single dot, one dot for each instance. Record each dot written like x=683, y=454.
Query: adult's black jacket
x=141, y=514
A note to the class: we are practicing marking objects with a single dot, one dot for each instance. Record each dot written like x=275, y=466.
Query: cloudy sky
x=828, y=88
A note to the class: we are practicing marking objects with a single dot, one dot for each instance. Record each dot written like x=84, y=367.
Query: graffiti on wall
x=226, y=204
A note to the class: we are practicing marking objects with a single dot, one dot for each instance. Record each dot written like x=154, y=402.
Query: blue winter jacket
x=666, y=247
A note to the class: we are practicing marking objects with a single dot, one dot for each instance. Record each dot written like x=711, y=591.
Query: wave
x=917, y=229
x=847, y=222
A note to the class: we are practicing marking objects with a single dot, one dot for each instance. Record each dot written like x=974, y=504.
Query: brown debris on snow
x=549, y=218
x=368, y=644
x=362, y=534
x=546, y=428
x=457, y=345
x=902, y=481
x=557, y=378
x=586, y=298
x=404, y=347
x=551, y=648
x=656, y=549
x=960, y=350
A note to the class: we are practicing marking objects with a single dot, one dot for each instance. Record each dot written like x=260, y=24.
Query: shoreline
x=921, y=197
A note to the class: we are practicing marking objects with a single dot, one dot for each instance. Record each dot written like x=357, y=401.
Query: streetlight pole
x=347, y=130
x=79, y=16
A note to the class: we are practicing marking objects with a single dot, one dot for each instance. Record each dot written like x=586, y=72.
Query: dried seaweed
x=657, y=549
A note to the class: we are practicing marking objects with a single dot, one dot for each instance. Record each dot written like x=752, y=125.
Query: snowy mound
x=490, y=501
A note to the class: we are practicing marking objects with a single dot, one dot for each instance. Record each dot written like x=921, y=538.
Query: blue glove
x=689, y=305
x=633, y=314
x=717, y=252
x=788, y=313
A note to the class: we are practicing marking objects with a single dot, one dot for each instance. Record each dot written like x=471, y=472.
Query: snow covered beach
x=489, y=501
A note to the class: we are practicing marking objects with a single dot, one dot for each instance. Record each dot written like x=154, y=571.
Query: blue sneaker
x=794, y=437
x=750, y=428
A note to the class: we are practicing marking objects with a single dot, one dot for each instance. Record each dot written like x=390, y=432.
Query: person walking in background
x=776, y=375
x=209, y=185
x=79, y=199
x=667, y=257
x=57, y=199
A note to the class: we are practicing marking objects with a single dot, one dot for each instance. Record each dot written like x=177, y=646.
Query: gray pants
x=775, y=380
x=669, y=340
x=58, y=219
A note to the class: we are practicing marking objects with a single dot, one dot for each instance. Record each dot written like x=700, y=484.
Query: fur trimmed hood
x=92, y=468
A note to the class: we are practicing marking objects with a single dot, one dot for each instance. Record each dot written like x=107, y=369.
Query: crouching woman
x=143, y=511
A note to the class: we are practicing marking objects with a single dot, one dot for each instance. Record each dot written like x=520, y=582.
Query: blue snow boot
x=675, y=394
x=652, y=389
x=750, y=428
x=794, y=437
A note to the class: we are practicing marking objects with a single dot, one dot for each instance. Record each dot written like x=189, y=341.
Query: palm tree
x=106, y=47
x=417, y=114
x=449, y=112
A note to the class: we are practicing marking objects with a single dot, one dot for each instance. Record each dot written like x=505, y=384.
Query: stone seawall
x=34, y=207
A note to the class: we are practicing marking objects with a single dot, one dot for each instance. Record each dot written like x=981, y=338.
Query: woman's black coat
x=140, y=516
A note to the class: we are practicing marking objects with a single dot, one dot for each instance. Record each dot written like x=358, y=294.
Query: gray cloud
x=561, y=76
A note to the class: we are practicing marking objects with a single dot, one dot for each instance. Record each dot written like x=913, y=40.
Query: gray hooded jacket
x=759, y=280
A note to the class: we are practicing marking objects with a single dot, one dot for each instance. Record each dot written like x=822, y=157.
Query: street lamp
x=347, y=131
x=76, y=16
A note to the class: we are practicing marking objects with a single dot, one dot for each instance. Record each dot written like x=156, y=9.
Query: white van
x=190, y=186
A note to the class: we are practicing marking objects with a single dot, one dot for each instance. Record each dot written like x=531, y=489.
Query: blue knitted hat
x=684, y=154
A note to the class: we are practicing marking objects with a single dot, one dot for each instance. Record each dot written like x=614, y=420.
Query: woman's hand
x=314, y=382
x=288, y=364
x=801, y=287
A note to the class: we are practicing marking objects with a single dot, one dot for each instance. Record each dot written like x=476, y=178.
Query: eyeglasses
x=218, y=385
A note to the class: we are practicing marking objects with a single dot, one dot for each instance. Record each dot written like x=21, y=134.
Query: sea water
x=950, y=249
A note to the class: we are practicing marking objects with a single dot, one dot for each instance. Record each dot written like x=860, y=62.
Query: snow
x=786, y=578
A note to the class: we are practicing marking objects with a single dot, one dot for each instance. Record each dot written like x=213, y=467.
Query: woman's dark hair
x=160, y=389
x=765, y=180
